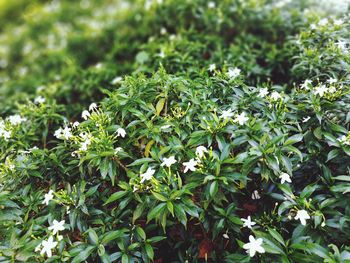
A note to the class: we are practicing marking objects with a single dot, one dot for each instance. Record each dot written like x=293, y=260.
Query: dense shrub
x=174, y=131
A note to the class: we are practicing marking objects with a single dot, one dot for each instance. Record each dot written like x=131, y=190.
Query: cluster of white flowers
x=169, y=161
x=241, y=118
x=321, y=89
x=63, y=133
x=11, y=121
x=46, y=246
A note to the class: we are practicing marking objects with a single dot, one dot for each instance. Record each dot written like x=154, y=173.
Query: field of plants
x=173, y=131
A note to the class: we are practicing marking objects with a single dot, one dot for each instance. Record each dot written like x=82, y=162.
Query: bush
x=174, y=131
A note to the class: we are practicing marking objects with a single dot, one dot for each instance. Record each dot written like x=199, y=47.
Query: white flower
x=263, y=92
x=168, y=161
x=6, y=135
x=305, y=119
x=116, y=80
x=117, y=150
x=254, y=246
x=201, y=150
x=164, y=127
x=323, y=22
x=306, y=84
x=241, y=118
x=84, y=145
x=344, y=140
x=275, y=96
x=58, y=133
x=226, y=114
x=57, y=226
x=85, y=114
x=75, y=124
x=66, y=133
x=212, y=67
x=233, y=73
x=190, y=165
x=48, y=246
x=285, y=178
x=313, y=26
x=39, y=100
x=248, y=222
x=121, y=132
x=332, y=89
x=163, y=31
x=211, y=4
x=342, y=44
x=320, y=90
x=16, y=119
x=48, y=197
x=338, y=22
x=59, y=237
x=332, y=80
x=302, y=215
x=92, y=106
x=225, y=236
x=255, y=195
x=147, y=175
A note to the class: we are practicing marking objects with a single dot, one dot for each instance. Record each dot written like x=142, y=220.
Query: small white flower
x=212, y=67
x=305, y=119
x=201, y=150
x=48, y=197
x=48, y=246
x=164, y=127
x=168, y=161
x=323, y=22
x=92, y=106
x=306, y=84
x=6, y=135
x=66, y=133
x=241, y=118
x=285, y=178
x=275, y=96
x=116, y=80
x=121, y=132
x=248, y=222
x=190, y=165
x=302, y=215
x=255, y=195
x=320, y=90
x=332, y=80
x=338, y=22
x=39, y=100
x=211, y=4
x=85, y=114
x=16, y=119
x=332, y=89
x=313, y=26
x=147, y=175
x=254, y=246
x=225, y=236
x=59, y=237
x=75, y=124
x=233, y=73
x=161, y=54
x=163, y=31
x=263, y=92
x=226, y=114
x=118, y=149
x=58, y=133
x=56, y=226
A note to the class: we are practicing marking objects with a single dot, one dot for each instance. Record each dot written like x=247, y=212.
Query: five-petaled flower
x=226, y=114
x=254, y=246
x=190, y=165
x=147, y=175
x=233, y=73
x=57, y=226
x=285, y=178
x=241, y=118
x=48, y=246
x=48, y=197
x=302, y=215
x=263, y=92
x=248, y=222
x=169, y=161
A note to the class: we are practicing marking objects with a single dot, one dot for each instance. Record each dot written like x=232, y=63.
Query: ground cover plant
x=174, y=131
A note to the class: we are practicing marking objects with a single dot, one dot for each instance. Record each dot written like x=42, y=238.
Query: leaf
x=149, y=251
x=93, y=236
x=141, y=161
x=159, y=197
x=293, y=139
x=112, y=235
x=83, y=255
x=115, y=196
x=148, y=147
x=276, y=236
x=156, y=211
x=160, y=106
x=213, y=188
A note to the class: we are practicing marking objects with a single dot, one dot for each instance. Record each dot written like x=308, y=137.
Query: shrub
x=211, y=132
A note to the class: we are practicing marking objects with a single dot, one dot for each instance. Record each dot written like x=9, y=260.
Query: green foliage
x=174, y=131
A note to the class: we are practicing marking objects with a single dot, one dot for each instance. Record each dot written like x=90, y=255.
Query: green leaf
x=149, y=251
x=156, y=211
x=115, y=196
x=83, y=255
x=293, y=139
x=213, y=188
x=276, y=236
